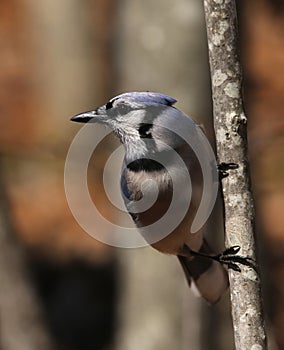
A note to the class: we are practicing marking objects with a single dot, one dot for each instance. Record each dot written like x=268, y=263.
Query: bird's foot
x=230, y=258
x=224, y=167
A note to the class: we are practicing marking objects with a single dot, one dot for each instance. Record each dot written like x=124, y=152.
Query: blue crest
x=148, y=98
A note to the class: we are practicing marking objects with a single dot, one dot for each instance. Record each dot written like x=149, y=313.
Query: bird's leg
x=224, y=167
x=228, y=257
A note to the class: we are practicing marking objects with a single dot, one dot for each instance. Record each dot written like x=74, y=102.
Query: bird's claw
x=229, y=258
x=224, y=167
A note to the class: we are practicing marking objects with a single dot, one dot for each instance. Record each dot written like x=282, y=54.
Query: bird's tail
x=208, y=276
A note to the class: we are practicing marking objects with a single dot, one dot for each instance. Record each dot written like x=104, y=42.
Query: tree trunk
x=230, y=125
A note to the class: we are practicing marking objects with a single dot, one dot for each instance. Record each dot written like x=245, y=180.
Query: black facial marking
x=109, y=105
x=144, y=164
x=145, y=131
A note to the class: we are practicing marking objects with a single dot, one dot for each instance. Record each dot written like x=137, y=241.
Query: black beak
x=84, y=117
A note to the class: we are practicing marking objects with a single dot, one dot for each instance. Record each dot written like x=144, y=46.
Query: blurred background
x=60, y=289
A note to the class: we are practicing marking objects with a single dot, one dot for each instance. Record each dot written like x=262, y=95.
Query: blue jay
x=143, y=121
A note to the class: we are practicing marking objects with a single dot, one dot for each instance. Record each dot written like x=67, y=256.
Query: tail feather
x=209, y=276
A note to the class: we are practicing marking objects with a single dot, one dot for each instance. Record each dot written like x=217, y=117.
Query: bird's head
x=130, y=116
x=128, y=112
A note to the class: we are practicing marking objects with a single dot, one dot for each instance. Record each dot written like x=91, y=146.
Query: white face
x=143, y=125
x=124, y=118
x=146, y=128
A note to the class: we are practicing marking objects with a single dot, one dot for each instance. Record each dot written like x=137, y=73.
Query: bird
x=144, y=123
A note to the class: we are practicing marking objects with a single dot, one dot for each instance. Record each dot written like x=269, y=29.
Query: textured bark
x=230, y=126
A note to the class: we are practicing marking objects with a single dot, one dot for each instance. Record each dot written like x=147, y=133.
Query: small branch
x=230, y=126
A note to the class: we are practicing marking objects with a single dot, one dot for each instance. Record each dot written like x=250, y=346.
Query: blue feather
x=148, y=98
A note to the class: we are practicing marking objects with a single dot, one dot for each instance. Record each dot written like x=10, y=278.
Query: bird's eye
x=123, y=107
x=109, y=105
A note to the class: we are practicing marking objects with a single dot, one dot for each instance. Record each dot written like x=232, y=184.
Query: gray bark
x=230, y=126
